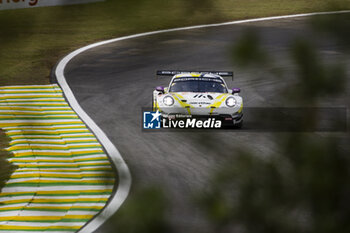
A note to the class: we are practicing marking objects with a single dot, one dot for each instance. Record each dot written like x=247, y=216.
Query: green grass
x=33, y=40
x=6, y=168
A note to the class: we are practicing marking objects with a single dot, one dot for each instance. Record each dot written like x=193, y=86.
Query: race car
x=199, y=94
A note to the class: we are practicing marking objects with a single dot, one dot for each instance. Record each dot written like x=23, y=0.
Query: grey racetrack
x=114, y=82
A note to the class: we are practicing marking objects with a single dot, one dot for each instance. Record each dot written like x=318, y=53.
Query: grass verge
x=33, y=40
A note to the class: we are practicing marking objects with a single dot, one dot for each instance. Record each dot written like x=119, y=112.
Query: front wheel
x=238, y=125
x=154, y=105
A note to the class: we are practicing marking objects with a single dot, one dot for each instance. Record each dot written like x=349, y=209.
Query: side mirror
x=236, y=90
x=160, y=89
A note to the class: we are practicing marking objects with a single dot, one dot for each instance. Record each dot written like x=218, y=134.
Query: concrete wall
x=15, y=4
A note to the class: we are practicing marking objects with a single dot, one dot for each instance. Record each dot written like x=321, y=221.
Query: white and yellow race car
x=200, y=94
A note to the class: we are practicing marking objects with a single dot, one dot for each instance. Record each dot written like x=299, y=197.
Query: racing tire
x=239, y=125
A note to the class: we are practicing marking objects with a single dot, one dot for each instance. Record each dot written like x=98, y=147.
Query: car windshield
x=198, y=84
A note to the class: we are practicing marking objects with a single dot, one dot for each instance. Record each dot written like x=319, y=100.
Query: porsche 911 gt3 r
x=199, y=94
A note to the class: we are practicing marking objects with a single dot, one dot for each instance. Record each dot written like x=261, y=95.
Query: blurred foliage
x=248, y=51
x=305, y=187
x=337, y=26
x=143, y=212
x=315, y=78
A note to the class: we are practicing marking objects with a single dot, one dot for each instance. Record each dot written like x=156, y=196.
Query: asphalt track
x=114, y=82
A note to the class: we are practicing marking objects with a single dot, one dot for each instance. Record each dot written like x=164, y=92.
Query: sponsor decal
x=207, y=79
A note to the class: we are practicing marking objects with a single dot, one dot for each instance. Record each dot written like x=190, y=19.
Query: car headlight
x=230, y=102
x=168, y=100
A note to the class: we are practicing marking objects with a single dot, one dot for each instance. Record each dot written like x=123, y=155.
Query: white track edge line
x=123, y=170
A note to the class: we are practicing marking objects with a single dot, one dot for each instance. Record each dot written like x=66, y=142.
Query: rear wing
x=174, y=72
